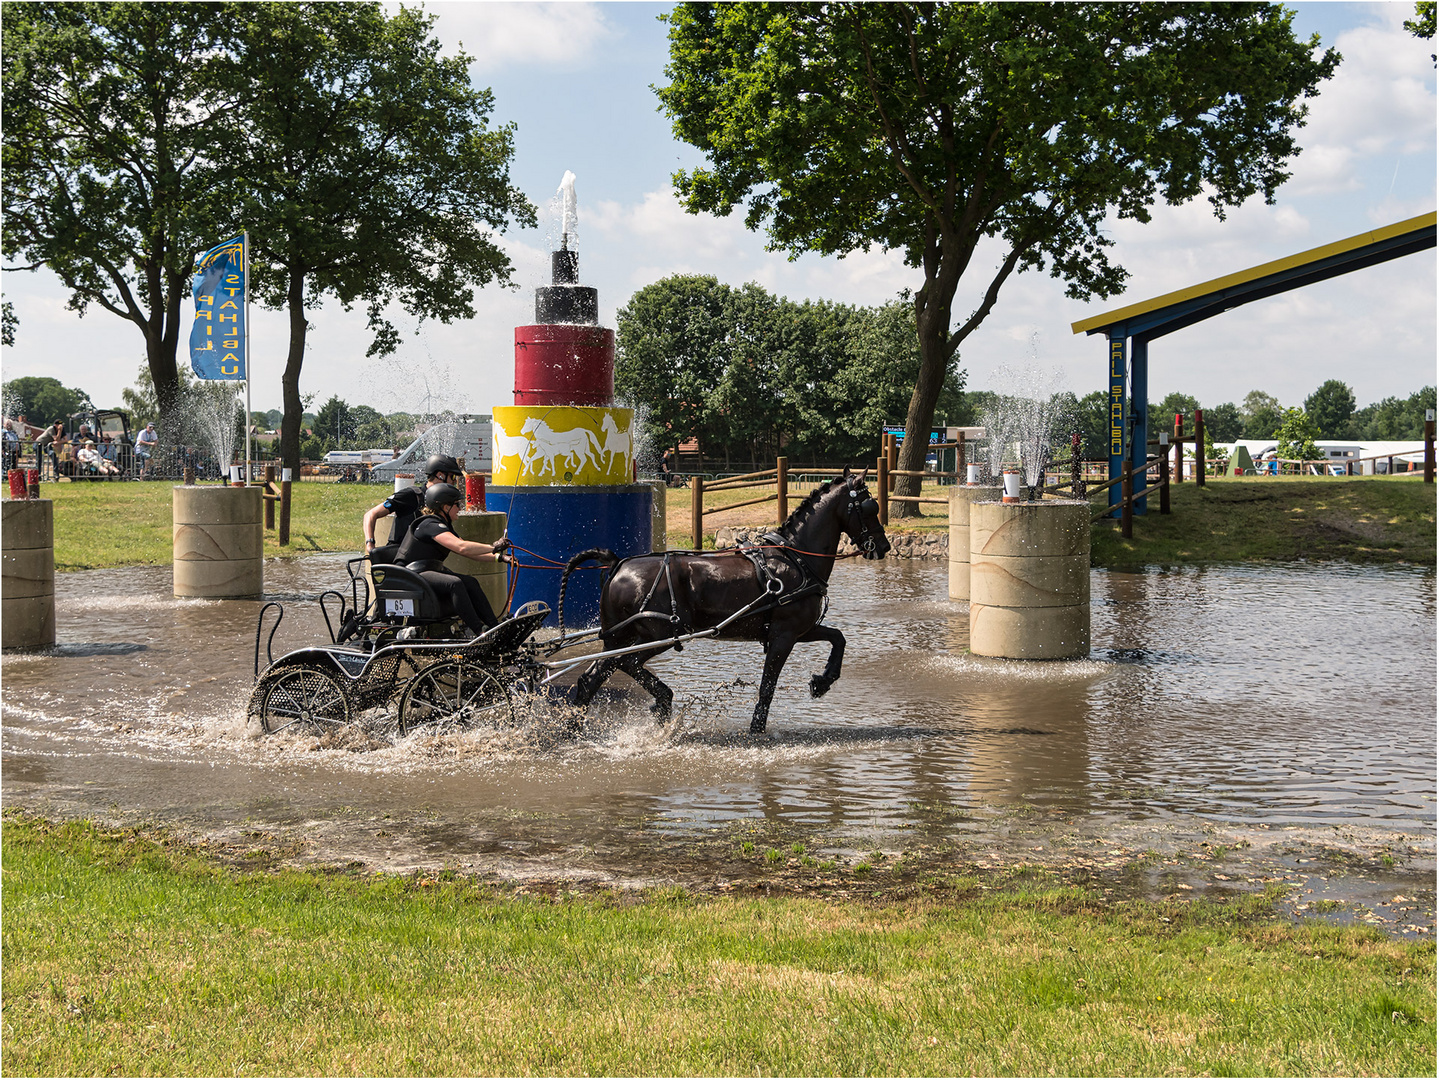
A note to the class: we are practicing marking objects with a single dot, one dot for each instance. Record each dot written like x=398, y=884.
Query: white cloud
x=501, y=34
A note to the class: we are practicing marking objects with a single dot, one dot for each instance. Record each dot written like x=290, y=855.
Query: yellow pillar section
x=562, y=445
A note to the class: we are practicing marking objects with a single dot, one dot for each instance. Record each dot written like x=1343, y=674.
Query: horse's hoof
x=819, y=686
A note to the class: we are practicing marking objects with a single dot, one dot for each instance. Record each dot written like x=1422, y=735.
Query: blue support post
x=1139, y=414
x=1117, y=366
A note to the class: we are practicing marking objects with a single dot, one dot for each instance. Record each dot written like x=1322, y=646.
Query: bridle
x=859, y=511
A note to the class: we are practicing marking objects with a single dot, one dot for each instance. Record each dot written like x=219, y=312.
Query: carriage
x=395, y=658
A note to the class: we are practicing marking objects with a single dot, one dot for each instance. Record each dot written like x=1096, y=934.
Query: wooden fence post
x=893, y=459
x=697, y=511
x=882, y=482
x=1076, y=467
x=269, y=503
x=1126, y=500
x=781, y=480
x=961, y=465
x=284, y=533
x=1164, y=483
x=1179, y=448
x=1201, y=466
x=1429, y=449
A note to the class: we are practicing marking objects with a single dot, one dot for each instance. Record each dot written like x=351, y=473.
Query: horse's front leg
x=594, y=677
x=780, y=646
x=634, y=666
x=819, y=684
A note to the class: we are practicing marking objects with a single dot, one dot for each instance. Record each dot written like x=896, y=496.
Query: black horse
x=776, y=587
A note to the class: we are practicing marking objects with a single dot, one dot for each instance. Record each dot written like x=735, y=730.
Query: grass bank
x=1358, y=519
x=1246, y=519
x=130, y=953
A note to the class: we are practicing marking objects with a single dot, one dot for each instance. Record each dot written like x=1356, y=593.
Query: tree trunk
x=292, y=404
x=932, y=326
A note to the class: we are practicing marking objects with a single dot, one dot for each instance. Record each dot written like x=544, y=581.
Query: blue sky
x=575, y=78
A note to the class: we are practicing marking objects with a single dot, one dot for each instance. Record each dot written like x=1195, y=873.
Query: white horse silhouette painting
x=507, y=445
x=616, y=441
x=573, y=448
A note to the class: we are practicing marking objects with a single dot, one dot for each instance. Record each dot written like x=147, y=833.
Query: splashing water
x=211, y=417
x=569, y=218
x=1022, y=423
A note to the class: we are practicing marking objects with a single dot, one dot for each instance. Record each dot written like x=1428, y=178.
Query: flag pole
x=249, y=469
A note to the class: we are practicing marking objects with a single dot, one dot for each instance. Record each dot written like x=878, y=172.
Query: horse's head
x=861, y=518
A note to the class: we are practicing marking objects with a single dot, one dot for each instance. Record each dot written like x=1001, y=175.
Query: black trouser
x=465, y=597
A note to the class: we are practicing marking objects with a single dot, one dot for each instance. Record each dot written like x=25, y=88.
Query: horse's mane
x=802, y=512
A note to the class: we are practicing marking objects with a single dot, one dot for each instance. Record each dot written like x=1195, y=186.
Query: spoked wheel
x=454, y=693
x=304, y=699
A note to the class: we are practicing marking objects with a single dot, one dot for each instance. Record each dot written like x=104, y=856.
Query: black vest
x=405, y=505
x=420, y=545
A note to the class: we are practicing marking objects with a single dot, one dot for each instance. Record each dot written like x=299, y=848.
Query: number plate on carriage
x=400, y=607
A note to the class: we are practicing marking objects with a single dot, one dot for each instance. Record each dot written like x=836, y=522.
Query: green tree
x=1262, y=414
x=333, y=424
x=928, y=127
x=671, y=350
x=41, y=399
x=110, y=111
x=1422, y=25
x=1296, y=436
x=365, y=169
x=1161, y=416
x=1393, y=419
x=1330, y=408
x=1091, y=420
x=1224, y=422
x=9, y=323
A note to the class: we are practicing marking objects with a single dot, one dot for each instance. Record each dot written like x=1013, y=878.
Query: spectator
x=11, y=454
x=91, y=461
x=145, y=444
x=49, y=442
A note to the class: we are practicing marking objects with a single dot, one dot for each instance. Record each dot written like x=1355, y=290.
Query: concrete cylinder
x=960, y=499
x=219, y=541
x=485, y=527
x=27, y=585
x=1029, y=579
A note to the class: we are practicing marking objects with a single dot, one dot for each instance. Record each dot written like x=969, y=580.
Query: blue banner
x=217, y=338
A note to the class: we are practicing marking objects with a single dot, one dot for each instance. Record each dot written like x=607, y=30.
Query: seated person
x=91, y=460
x=429, y=542
x=145, y=444
x=405, y=505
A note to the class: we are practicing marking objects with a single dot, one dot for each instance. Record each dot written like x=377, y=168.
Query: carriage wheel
x=305, y=698
x=454, y=692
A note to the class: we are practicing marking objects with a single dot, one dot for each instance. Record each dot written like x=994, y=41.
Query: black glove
x=502, y=545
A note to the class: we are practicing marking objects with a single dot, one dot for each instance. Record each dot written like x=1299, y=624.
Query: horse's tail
x=604, y=556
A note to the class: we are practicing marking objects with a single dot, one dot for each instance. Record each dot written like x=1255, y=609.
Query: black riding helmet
x=443, y=463
x=438, y=496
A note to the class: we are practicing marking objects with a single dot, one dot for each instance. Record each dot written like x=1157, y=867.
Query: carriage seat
x=401, y=593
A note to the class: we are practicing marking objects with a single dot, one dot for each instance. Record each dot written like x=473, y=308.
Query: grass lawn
x=127, y=952
x=1233, y=519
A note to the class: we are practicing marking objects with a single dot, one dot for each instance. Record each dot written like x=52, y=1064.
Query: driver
x=405, y=505
x=429, y=542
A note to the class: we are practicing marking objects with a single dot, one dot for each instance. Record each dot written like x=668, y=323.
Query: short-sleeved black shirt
x=420, y=544
x=405, y=505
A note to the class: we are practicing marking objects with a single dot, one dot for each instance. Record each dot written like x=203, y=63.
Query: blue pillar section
x=1139, y=414
x=555, y=523
x=1117, y=366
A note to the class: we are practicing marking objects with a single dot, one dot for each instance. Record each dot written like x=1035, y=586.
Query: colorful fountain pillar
x=563, y=457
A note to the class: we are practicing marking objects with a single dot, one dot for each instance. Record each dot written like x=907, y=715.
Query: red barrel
x=17, y=484
x=564, y=364
x=474, y=491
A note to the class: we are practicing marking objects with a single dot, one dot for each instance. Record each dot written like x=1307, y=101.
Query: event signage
x=217, y=337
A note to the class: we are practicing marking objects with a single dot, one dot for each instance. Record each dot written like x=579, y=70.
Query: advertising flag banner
x=217, y=338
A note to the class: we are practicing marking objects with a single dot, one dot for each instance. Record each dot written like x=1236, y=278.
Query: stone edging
x=904, y=545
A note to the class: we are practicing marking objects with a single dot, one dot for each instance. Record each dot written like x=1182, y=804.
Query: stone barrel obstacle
x=485, y=527
x=960, y=500
x=219, y=542
x=27, y=620
x=1029, y=579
